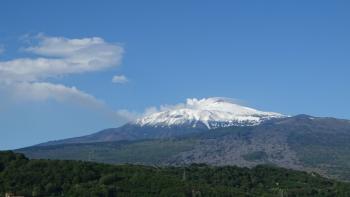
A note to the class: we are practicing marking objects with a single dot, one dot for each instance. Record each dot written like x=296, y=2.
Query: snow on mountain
x=212, y=112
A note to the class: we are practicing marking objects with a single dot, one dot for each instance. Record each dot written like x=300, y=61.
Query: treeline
x=25, y=177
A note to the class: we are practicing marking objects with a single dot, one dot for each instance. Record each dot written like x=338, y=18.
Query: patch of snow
x=212, y=112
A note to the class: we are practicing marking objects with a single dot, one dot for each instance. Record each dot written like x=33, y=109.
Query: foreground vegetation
x=76, y=178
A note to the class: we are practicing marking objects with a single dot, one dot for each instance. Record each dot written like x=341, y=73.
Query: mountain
x=192, y=117
x=129, y=132
x=300, y=142
x=211, y=112
x=186, y=134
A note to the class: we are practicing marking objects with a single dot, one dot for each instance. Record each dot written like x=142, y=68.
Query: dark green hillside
x=76, y=178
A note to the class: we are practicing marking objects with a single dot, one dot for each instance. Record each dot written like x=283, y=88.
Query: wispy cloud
x=58, y=56
x=54, y=57
x=119, y=79
x=128, y=116
x=41, y=91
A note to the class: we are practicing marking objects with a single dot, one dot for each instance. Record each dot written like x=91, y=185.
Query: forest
x=25, y=177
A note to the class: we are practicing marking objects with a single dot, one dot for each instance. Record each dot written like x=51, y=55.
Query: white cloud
x=40, y=91
x=127, y=115
x=130, y=116
x=27, y=78
x=58, y=56
x=54, y=57
x=150, y=110
x=119, y=79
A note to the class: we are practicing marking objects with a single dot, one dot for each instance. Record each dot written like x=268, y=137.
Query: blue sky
x=290, y=57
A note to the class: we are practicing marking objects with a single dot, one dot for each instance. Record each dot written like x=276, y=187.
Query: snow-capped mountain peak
x=211, y=112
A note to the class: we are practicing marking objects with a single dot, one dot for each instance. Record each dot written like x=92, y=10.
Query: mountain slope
x=192, y=117
x=301, y=142
x=129, y=132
